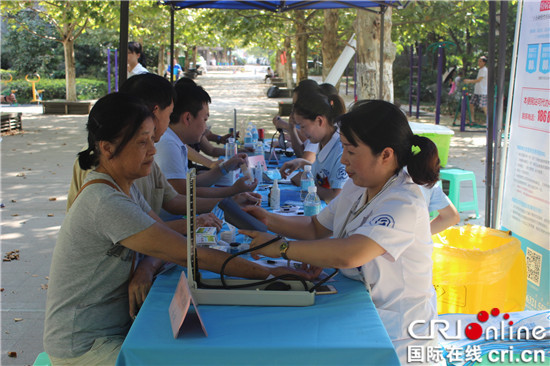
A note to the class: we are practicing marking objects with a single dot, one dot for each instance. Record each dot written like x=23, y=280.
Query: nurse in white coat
x=377, y=230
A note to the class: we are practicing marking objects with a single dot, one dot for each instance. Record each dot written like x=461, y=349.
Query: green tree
x=69, y=19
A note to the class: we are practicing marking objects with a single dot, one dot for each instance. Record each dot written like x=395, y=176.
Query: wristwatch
x=283, y=248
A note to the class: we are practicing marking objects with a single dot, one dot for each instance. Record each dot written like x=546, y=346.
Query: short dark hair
x=114, y=116
x=153, y=89
x=484, y=59
x=190, y=98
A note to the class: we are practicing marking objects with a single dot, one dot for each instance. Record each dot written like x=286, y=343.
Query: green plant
x=55, y=89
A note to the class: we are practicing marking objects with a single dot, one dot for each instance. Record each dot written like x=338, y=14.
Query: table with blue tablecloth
x=342, y=328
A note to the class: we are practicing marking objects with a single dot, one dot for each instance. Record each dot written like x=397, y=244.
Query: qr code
x=534, y=263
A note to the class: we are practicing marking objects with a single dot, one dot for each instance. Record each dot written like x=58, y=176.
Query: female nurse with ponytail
x=377, y=230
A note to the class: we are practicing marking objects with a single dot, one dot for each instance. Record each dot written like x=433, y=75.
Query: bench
x=285, y=108
x=11, y=121
x=65, y=107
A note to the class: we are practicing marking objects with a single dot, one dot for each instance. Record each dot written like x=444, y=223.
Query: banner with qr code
x=526, y=197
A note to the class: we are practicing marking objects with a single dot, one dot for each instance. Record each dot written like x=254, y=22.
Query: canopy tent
x=273, y=6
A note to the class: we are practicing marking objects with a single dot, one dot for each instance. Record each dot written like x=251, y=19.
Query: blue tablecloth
x=339, y=329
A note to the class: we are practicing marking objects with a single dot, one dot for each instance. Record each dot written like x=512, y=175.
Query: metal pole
x=508, y=113
x=418, y=80
x=108, y=70
x=440, y=51
x=381, y=80
x=116, y=69
x=123, y=67
x=172, y=11
x=500, y=102
x=411, y=73
x=490, y=116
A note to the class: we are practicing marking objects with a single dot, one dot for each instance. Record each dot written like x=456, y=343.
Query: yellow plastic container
x=477, y=268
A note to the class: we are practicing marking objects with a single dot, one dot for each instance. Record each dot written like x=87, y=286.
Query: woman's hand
x=259, y=238
x=247, y=198
x=139, y=286
x=258, y=212
x=290, y=166
x=305, y=271
x=209, y=220
x=279, y=123
x=241, y=186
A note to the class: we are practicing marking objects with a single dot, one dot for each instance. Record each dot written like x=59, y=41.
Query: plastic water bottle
x=312, y=203
x=248, y=134
x=230, y=148
x=258, y=148
x=258, y=172
x=254, y=132
x=306, y=181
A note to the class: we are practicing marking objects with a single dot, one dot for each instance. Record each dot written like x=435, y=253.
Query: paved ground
x=36, y=170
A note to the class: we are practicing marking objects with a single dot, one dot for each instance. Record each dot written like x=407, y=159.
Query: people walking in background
x=178, y=72
x=136, y=59
x=479, y=99
x=269, y=74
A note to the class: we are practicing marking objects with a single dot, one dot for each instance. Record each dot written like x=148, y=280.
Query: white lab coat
x=401, y=279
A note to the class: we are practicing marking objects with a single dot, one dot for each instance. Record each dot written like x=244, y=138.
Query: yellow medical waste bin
x=477, y=268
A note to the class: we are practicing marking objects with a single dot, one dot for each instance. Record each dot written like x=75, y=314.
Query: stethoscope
x=356, y=213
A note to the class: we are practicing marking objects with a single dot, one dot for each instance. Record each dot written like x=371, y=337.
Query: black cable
x=258, y=283
x=318, y=284
x=272, y=139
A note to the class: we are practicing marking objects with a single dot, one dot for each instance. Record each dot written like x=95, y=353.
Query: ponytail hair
x=115, y=117
x=312, y=105
x=135, y=47
x=380, y=124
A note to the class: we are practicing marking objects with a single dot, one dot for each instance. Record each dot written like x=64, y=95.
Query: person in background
x=187, y=125
x=479, y=99
x=178, y=72
x=136, y=59
x=10, y=98
x=314, y=115
x=87, y=312
x=269, y=74
x=377, y=230
x=438, y=201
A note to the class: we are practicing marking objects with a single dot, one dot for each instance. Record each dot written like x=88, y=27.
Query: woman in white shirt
x=377, y=230
x=314, y=115
x=136, y=59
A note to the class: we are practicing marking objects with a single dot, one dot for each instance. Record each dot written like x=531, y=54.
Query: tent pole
x=490, y=115
x=172, y=11
x=500, y=104
x=123, y=42
x=507, y=123
x=381, y=80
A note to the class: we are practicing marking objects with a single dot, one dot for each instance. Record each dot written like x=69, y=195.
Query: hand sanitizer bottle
x=275, y=196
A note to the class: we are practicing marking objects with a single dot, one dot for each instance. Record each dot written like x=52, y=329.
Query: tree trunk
x=301, y=45
x=186, y=65
x=70, y=70
x=162, y=63
x=288, y=65
x=330, y=49
x=368, y=55
x=195, y=57
x=279, y=68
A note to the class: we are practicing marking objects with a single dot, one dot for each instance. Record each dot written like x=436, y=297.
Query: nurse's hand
x=258, y=213
x=247, y=198
x=291, y=165
x=209, y=220
x=235, y=162
x=259, y=238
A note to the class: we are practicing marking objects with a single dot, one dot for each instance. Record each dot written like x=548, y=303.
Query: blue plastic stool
x=455, y=177
x=42, y=360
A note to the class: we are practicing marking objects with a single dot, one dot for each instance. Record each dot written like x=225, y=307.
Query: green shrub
x=55, y=89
